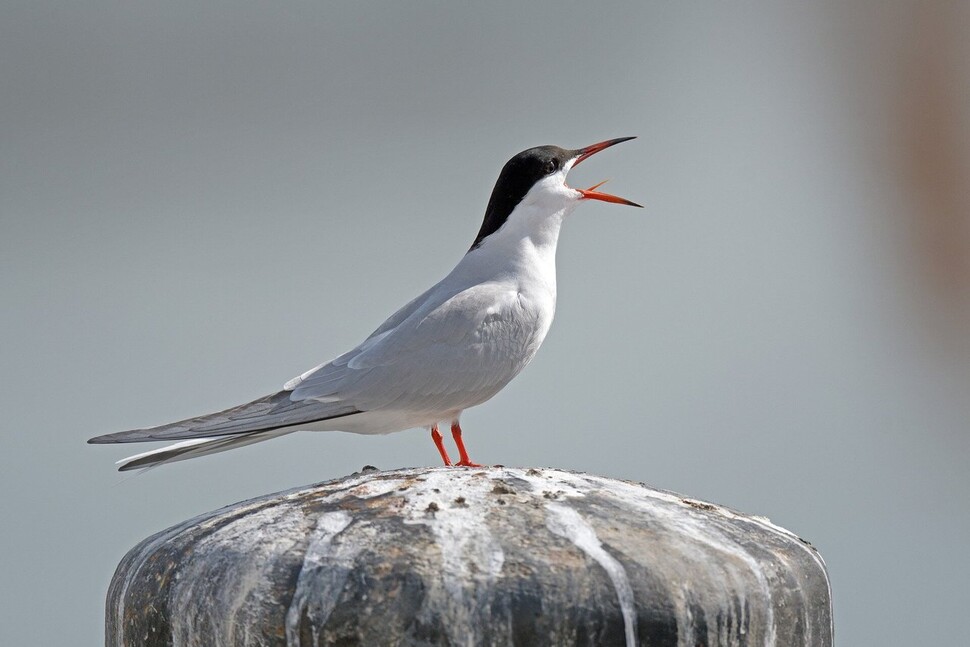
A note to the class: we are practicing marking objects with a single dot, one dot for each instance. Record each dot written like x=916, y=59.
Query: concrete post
x=493, y=556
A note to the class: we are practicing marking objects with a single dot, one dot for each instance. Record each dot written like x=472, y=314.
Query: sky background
x=199, y=201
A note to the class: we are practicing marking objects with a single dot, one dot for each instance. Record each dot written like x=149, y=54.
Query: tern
x=451, y=348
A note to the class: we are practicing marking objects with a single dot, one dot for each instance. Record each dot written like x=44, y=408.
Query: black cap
x=518, y=176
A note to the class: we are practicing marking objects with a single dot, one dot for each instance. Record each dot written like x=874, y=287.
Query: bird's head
x=537, y=177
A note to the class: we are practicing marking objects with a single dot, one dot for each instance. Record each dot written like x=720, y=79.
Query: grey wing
x=449, y=352
x=271, y=412
x=316, y=381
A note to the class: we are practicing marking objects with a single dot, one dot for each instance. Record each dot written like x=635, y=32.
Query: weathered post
x=492, y=556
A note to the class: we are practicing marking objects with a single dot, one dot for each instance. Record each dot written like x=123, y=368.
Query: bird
x=449, y=349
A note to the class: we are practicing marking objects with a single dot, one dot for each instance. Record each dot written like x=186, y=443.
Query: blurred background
x=200, y=201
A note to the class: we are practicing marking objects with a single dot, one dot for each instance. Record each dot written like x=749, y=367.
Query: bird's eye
x=552, y=166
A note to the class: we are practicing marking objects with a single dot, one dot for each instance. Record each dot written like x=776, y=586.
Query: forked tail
x=194, y=448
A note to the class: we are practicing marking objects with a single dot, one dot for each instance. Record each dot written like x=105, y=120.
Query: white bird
x=451, y=348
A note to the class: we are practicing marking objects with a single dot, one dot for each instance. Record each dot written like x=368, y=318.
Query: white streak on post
x=704, y=534
x=325, y=569
x=471, y=557
x=567, y=523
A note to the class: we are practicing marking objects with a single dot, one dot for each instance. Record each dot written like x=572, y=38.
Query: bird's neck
x=523, y=248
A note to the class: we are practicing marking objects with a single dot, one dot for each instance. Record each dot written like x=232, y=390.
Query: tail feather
x=194, y=448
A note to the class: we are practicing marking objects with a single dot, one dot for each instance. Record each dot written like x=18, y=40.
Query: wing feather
x=447, y=353
x=270, y=412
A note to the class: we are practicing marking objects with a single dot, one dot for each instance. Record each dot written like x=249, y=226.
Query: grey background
x=200, y=201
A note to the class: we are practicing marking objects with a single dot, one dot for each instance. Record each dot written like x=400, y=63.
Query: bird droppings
x=328, y=561
x=567, y=523
x=442, y=556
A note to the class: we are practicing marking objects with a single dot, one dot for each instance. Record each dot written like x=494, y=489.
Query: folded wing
x=274, y=411
x=438, y=353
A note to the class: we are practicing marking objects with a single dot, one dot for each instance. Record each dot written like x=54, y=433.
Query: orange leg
x=463, y=460
x=436, y=437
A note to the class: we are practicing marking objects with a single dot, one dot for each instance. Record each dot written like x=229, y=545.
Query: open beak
x=591, y=193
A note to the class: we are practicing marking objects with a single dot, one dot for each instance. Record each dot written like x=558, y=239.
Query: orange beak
x=591, y=193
